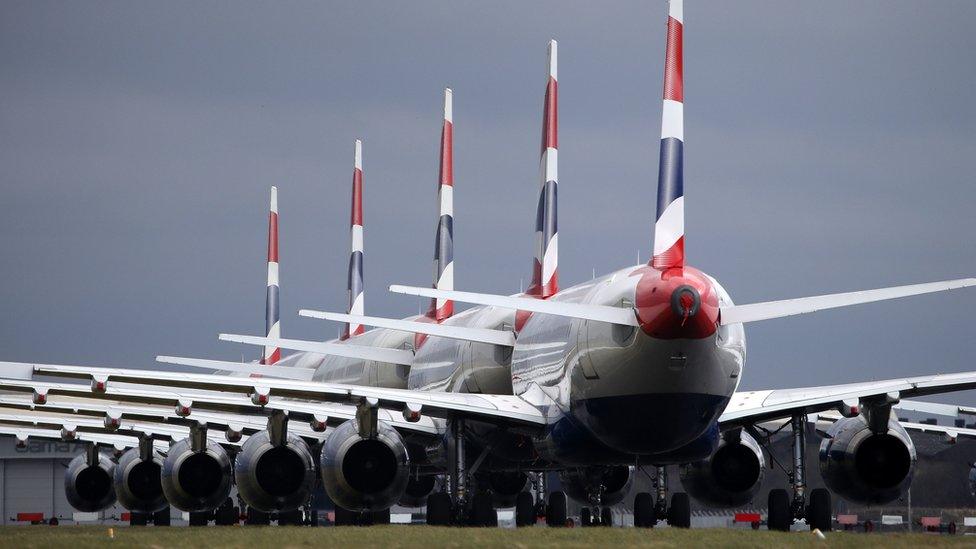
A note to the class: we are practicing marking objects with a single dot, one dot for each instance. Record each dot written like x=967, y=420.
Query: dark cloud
x=829, y=148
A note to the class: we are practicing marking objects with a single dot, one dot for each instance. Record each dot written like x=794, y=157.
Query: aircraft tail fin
x=272, y=321
x=441, y=309
x=669, y=227
x=545, y=275
x=355, y=281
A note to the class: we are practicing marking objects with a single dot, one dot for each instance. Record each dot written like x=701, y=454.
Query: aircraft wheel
x=439, y=509
x=556, y=510
x=257, y=518
x=161, y=517
x=586, y=517
x=779, y=517
x=606, y=517
x=227, y=514
x=290, y=518
x=482, y=511
x=524, y=509
x=345, y=517
x=679, y=514
x=138, y=519
x=644, y=510
x=200, y=518
x=820, y=510
x=379, y=517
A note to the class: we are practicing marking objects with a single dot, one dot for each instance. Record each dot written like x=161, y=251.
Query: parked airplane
x=636, y=368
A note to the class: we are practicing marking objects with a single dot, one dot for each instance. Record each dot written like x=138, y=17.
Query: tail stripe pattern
x=669, y=229
x=545, y=273
x=272, y=324
x=441, y=309
x=355, y=283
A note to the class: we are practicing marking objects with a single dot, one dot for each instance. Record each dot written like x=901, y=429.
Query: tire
x=138, y=519
x=227, y=514
x=524, y=510
x=586, y=519
x=644, y=510
x=162, y=517
x=779, y=518
x=606, y=517
x=290, y=518
x=679, y=514
x=345, y=517
x=439, y=509
x=820, y=511
x=380, y=517
x=482, y=511
x=199, y=518
x=257, y=518
x=556, y=510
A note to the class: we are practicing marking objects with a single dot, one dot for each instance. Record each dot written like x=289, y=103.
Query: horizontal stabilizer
x=738, y=314
x=282, y=372
x=480, y=335
x=598, y=313
x=379, y=354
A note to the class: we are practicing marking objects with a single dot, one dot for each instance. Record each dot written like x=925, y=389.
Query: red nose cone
x=677, y=303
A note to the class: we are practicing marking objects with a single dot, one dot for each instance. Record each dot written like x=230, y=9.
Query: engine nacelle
x=867, y=467
x=88, y=487
x=196, y=480
x=274, y=477
x=138, y=482
x=363, y=474
x=730, y=477
x=611, y=482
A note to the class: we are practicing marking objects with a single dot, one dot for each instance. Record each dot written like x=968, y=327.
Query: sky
x=829, y=147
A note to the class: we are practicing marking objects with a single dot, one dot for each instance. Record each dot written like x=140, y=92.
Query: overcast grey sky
x=829, y=147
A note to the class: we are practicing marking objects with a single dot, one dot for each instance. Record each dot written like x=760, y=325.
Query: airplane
x=637, y=368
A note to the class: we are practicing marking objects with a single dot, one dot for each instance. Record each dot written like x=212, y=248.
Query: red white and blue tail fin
x=272, y=322
x=355, y=282
x=669, y=229
x=545, y=272
x=441, y=309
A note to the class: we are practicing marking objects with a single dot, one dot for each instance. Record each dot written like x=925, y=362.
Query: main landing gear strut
x=647, y=511
x=782, y=509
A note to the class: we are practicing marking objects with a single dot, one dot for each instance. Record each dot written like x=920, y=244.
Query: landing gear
x=556, y=510
x=820, y=510
x=644, y=511
x=679, y=514
x=254, y=517
x=483, y=511
x=439, y=509
x=200, y=518
x=227, y=514
x=524, y=509
x=162, y=517
x=606, y=517
x=345, y=517
x=783, y=510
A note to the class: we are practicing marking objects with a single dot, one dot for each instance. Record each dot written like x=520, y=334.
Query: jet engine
x=417, y=490
x=138, y=481
x=365, y=474
x=611, y=483
x=196, y=476
x=864, y=466
x=730, y=477
x=275, y=477
x=88, y=482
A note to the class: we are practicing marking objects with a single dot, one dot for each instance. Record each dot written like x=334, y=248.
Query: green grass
x=78, y=537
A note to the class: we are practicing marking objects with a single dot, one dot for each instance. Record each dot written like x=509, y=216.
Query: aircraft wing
x=750, y=407
x=257, y=396
x=950, y=433
x=117, y=442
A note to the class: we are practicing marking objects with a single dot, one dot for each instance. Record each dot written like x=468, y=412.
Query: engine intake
x=730, y=477
x=867, y=467
x=138, y=481
x=196, y=480
x=365, y=474
x=88, y=482
x=612, y=483
x=274, y=477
